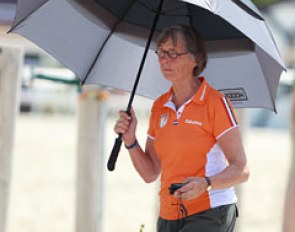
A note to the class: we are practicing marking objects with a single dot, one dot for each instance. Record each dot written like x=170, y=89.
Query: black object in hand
x=175, y=186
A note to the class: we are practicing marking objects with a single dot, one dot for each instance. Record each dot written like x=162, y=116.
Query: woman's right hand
x=146, y=161
x=126, y=125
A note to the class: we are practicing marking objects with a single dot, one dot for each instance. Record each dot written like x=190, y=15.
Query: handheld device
x=175, y=186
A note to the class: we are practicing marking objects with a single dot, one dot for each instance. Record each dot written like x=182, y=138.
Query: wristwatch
x=209, y=185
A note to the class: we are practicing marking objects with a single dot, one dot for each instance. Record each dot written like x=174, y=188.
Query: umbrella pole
x=118, y=142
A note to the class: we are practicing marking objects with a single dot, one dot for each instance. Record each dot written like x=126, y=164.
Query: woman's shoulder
x=161, y=100
x=212, y=92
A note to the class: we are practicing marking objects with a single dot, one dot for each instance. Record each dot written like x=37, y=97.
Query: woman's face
x=179, y=68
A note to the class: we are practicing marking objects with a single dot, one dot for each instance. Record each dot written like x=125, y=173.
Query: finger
x=120, y=130
x=187, y=192
x=189, y=179
x=123, y=122
x=188, y=195
x=133, y=117
x=132, y=113
x=124, y=115
x=121, y=126
x=185, y=188
x=177, y=194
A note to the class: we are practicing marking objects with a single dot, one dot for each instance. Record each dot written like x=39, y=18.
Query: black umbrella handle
x=118, y=142
x=115, y=152
x=116, y=148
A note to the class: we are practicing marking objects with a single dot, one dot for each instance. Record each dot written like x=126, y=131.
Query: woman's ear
x=195, y=70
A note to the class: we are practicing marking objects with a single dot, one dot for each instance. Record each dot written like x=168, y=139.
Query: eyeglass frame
x=168, y=54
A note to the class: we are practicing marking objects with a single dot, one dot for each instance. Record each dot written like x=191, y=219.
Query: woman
x=193, y=138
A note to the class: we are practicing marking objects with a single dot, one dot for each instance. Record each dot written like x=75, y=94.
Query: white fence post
x=91, y=165
x=289, y=210
x=11, y=60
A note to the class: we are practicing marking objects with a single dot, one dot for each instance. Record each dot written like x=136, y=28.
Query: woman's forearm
x=234, y=174
x=147, y=168
x=146, y=162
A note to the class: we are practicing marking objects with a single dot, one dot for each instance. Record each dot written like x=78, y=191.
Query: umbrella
x=105, y=41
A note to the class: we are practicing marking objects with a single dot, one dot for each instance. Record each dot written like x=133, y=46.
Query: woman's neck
x=184, y=91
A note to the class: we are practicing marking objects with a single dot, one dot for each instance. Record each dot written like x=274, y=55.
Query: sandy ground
x=43, y=181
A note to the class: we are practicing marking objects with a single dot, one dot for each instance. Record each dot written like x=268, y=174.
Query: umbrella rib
x=25, y=18
x=106, y=40
x=267, y=84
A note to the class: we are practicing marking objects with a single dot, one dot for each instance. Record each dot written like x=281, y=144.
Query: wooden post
x=11, y=60
x=289, y=211
x=91, y=161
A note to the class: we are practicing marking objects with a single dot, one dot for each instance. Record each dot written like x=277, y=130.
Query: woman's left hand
x=193, y=188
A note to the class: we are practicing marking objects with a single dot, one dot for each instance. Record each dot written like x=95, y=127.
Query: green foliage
x=264, y=3
x=141, y=227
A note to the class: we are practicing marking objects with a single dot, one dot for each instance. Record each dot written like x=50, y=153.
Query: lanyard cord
x=182, y=213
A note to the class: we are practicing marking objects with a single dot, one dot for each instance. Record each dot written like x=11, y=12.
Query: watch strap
x=209, y=183
x=135, y=144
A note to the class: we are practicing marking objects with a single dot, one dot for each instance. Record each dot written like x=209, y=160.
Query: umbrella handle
x=117, y=147
x=118, y=142
x=115, y=152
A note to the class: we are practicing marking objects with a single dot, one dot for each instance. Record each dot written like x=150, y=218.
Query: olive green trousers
x=219, y=219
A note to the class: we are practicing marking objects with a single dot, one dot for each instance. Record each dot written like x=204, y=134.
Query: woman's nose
x=163, y=62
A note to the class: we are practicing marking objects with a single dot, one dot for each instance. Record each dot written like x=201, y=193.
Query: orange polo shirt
x=186, y=144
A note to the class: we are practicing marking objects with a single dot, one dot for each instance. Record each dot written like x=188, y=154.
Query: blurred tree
x=262, y=4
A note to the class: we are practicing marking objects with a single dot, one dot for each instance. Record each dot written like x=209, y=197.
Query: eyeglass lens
x=170, y=54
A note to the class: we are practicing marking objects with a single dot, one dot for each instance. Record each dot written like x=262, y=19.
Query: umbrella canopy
x=102, y=41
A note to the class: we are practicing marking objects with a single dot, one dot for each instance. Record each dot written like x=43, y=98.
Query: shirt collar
x=199, y=97
x=202, y=92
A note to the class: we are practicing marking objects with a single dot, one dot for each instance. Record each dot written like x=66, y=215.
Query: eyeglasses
x=170, y=54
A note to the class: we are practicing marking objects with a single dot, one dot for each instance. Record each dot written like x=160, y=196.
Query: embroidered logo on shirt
x=189, y=121
x=163, y=120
